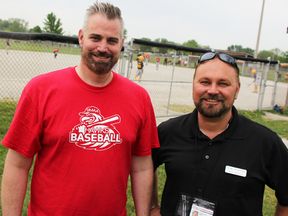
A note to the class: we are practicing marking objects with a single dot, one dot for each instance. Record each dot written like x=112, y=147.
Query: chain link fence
x=170, y=85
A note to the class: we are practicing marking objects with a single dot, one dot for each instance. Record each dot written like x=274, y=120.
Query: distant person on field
x=254, y=72
x=140, y=68
x=157, y=62
x=7, y=45
x=55, y=52
x=147, y=59
x=166, y=59
x=88, y=128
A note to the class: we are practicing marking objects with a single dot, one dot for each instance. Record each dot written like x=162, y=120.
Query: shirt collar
x=234, y=131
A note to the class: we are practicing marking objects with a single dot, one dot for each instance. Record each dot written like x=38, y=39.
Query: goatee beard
x=98, y=67
x=210, y=111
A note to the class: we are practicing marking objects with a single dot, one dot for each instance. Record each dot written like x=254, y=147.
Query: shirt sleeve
x=24, y=133
x=148, y=135
x=277, y=171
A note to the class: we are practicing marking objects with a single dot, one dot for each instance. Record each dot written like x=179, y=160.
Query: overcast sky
x=217, y=24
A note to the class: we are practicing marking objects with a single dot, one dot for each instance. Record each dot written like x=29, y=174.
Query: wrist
x=154, y=206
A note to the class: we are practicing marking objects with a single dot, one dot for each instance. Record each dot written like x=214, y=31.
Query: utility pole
x=259, y=31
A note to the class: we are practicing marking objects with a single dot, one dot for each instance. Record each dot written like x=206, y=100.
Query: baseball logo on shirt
x=94, y=131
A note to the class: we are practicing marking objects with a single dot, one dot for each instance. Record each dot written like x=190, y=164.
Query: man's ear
x=122, y=43
x=80, y=37
x=238, y=89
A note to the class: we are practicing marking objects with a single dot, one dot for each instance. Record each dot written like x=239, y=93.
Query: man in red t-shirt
x=90, y=129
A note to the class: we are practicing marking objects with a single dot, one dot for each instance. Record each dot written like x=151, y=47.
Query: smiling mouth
x=102, y=57
x=211, y=100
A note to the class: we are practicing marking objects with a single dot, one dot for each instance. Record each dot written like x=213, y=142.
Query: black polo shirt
x=193, y=162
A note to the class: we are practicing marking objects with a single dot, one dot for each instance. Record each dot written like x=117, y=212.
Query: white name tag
x=236, y=171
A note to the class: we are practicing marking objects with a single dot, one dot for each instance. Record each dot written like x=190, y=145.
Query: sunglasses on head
x=222, y=56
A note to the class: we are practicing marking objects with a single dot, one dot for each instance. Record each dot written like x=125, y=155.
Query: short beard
x=210, y=112
x=98, y=67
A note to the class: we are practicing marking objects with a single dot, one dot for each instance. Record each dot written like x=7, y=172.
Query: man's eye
x=113, y=41
x=224, y=84
x=204, y=82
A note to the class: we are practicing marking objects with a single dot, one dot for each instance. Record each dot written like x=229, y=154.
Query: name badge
x=202, y=207
x=189, y=205
x=236, y=171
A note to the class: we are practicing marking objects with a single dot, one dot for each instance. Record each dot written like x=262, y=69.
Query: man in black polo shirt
x=218, y=162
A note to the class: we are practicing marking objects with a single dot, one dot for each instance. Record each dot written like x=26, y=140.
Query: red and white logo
x=94, y=131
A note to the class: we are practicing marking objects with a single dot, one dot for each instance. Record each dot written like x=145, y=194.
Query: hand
x=155, y=211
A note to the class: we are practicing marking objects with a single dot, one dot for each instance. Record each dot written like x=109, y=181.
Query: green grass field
x=40, y=46
x=7, y=109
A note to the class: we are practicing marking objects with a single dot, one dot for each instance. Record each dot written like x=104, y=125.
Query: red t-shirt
x=84, y=137
x=157, y=59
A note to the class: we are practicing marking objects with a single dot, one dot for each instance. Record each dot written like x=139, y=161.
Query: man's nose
x=102, y=46
x=213, y=89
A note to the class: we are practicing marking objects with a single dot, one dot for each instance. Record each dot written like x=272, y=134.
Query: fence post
x=275, y=85
x=260, y=87
x=286, y=102
x=264, y=84
x=130, y=61
x=171, y=84
x=243, y=67
x=122, y=72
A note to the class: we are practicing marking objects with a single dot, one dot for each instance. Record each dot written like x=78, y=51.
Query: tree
x=239, y=48
x=249, y=50
x=145, y=48
x=14, y=25
x=36, y=29
x=4, y=24
x=191, y=43
x=52, y=25
x=264, y=54
x=276, y=51
x=285, y=57
x=125, y=34
x=162, y=49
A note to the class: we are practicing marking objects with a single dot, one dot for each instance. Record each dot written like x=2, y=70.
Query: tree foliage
x=14, y=25
x=125, y=34
x=239, y=48
x=52, y=25
x=191, y=43
x=145, y=48
x=283, y=58
x=36, y=29
x=162, y=49
x=264, y=54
